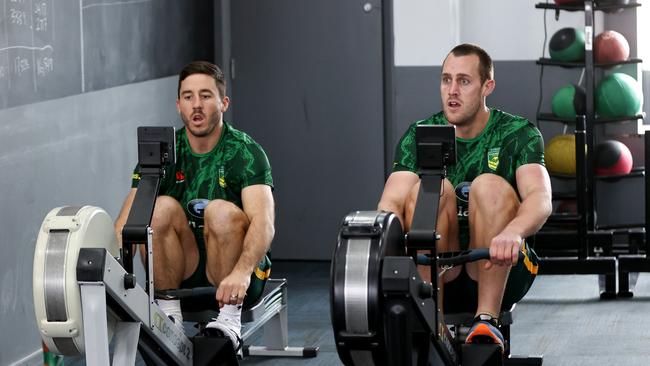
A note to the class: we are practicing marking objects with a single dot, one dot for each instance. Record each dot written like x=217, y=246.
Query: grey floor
x=561, y=318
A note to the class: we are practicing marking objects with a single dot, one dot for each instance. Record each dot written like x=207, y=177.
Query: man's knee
x=166, y=211
x=448, y=194
x=223, y=216
x=490, y=191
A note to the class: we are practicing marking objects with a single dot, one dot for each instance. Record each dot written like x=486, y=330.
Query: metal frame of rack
x=594, y=251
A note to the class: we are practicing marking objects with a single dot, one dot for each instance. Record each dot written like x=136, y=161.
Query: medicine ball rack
x=575, y=243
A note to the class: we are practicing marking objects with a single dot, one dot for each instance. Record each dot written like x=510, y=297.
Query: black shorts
x=461, y=294
x=258, y=278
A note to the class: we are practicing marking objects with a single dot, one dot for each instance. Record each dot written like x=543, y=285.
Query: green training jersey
x=237, y=161
x=506, y=143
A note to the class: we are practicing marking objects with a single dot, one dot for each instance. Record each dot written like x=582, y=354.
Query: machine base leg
x=126, y=343
x=523, y=361
x=607, y=285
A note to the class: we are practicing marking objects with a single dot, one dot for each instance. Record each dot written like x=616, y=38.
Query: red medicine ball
x=611, y=46
x=613, y=158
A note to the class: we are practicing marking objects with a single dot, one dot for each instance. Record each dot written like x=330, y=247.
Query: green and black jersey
x=506, y=143
x=236, y=162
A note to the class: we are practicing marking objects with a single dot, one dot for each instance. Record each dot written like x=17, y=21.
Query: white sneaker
x=228, y=323
x=172, y=308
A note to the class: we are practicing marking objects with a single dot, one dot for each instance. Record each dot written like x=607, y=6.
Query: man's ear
x=488, y=87
x=178, y=106
x=225, y=102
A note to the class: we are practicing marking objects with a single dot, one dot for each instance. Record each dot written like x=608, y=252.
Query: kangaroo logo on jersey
x=196, y=207
x=462, y=191
x=493, y=158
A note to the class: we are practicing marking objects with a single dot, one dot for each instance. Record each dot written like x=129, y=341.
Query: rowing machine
x=85, y=291
x=383, y=313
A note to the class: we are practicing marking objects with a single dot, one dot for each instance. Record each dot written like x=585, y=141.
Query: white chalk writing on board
x=55, y=48
x=27, y=55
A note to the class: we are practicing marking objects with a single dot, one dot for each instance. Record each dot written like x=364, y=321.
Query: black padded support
x=90, y=264
x=202, y=300
x=481, y=354
x=213, y=351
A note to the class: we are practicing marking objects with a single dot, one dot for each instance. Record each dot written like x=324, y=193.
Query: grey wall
x=509, y=29
x=78, y=150
x=313, y=100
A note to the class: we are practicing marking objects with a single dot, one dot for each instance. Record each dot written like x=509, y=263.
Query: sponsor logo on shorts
x=196, y=207
x=462, y=196
x=462, y=191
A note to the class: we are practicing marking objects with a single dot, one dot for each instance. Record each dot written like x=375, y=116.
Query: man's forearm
x=531, y=216
x=256, y=243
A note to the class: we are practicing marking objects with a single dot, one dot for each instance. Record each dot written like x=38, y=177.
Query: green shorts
x=258, y=278
x=461, y=294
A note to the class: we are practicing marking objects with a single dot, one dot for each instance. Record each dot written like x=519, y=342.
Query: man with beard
x=501, y=156
x=213, y=221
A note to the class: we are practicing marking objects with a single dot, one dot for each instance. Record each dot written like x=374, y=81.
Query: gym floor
x=561, y=318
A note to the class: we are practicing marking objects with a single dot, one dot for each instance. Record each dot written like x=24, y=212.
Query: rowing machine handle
x=470, y=255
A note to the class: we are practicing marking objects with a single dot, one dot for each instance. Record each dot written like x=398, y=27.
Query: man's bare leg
x=493, y=203
x=446, y=226
x=175, y=253
x=225, y=229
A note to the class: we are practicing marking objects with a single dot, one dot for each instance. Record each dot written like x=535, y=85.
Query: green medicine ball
x=567, y=44
x=568, y=101
x=618, y=95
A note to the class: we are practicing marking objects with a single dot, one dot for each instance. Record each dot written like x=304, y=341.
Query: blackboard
x=55, y=48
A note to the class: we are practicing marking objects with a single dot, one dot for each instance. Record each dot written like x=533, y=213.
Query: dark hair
x=203, y=67
x=485, y=68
